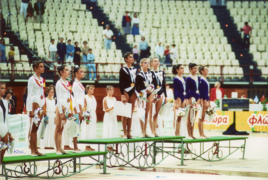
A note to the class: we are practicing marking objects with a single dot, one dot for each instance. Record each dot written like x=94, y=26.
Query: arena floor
x=254, y=166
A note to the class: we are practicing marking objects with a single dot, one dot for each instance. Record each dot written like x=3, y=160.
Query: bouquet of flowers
x=210, y=113
x=142, y=97
x=170, y=100
x=196, y=107
x=149, y=87
x=37, y=114
x=4, y=146
x=87, y=116
x=181, y=112
x=217, y=102
x=69, y=116
x=157, y=97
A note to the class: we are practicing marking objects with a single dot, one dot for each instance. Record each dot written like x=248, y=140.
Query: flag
x=256, y=99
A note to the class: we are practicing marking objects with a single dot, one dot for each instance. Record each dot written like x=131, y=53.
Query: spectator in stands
x=2, y=25
x=159, y=52
x=30, y=12
x=135, y=52
x=247, y=30
x=40, y=10
x=3, y=51
x=24, y=100
x=11, y=54
x=173, y=52
x=77, y=53
x=167, y=55
x=135, y=25
x=52, y=51
x=12, y=101
x=91, y=65
x=216, y=92
x=108, y=34
x=126, y=23
x=69, y=52
x=61, y=47
x=143, y=48
x=23, y=7
x=85, y=51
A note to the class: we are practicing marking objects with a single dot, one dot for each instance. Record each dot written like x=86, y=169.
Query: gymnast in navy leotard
x=127, y=83
x=192, y=91
x=160, y=85
x=179, y=90
x=204, y=96
x=145, y=76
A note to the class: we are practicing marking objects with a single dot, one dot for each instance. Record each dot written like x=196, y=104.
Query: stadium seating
x=68, y=19
x=256, y=14
x=191, y=25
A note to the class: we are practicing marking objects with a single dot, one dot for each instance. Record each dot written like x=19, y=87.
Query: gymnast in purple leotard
x=180, y=98
x=204, y=96
x=192, y=91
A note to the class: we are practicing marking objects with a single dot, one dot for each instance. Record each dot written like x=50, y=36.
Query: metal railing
x=11, y=71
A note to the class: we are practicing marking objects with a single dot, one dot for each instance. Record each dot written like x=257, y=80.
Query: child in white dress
x=48, y=142
x=89, y=130
x=110, y=129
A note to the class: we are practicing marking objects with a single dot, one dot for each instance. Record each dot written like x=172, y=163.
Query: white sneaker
x=34, y=155
x=202, y=137
x=190, y=138
x=125, y=137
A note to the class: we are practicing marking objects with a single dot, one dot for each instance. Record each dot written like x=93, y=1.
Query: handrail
x=13, y=71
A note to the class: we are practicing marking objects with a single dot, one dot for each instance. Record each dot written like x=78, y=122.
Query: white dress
x=89, y=131
x=48, y=140
x=110, y=129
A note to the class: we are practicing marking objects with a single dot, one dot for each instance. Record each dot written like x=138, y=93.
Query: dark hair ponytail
x=201, y=68
x=174, y=69
x=61, y=68
x=76, y=69
x=36, y=64
x=191, y=65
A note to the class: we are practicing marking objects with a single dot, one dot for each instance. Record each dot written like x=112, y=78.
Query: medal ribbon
x=81, y=85
x=42, y=86
x=70, y=91
x=131, y=75
x=183, y=82
x=157, y=78
x=206, y=82
x=196, y=81
x=146, y=78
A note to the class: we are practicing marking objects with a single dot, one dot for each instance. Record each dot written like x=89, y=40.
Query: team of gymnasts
x=71, y=98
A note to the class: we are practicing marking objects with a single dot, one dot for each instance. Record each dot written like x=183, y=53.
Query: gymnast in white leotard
x=79, y=97
x=35, y=99
x=65, y=101
x=4, y=121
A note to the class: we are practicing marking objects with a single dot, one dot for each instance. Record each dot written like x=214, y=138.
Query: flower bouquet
x=170, y=100
x=69, y=116
x=149, y=87
x=181, y=112
x=210, y=113
x=4, y=146
x=217, y=102
x=42, y=127
x=37, y=113
x=87, y=116
x=72, y=125
x=142, y=97
x=196, y=107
